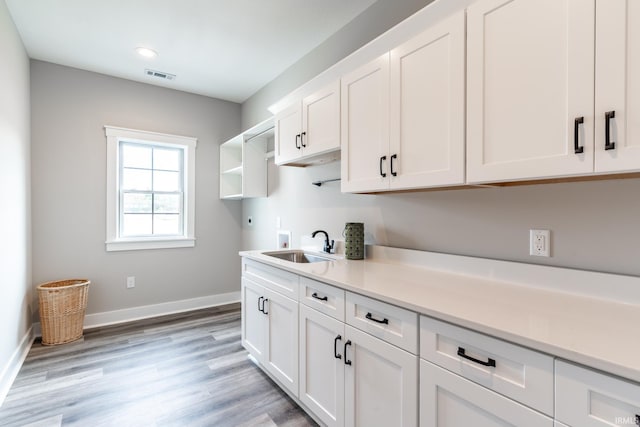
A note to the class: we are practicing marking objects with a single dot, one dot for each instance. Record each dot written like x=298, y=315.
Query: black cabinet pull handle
x=382, y=174
x=259, y=308
x=608, y=145
x=489, y=362
x=315, y=295
x=346, y=361
x=335, y=347
x=576, y=124
x=302, y=135
x=395, y=156
x=370, y=317
x=263, y=303
x=298, y=137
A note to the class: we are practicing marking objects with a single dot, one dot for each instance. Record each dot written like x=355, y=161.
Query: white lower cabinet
x=587, y=398
x=254, y=321
x=321, y=365
x=350, y=378
x=270, y=332
x=448, y=400
x=349, y=359
x=281, y=353
x=381, y=387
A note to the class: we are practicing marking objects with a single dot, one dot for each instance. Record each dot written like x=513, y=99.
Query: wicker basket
x=62, y=307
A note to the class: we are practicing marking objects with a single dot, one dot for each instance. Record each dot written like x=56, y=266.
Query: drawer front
x=587, y=398
x=392, y=324
x=521, y=374
x=278, y=280
x=325, y=298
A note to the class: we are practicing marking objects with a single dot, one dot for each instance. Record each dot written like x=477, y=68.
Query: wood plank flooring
x=186, y=369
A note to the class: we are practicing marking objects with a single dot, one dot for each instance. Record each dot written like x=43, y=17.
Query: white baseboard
x=146, y=311
x=10, y=371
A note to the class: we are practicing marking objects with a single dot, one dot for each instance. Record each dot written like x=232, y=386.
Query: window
x=150, y=190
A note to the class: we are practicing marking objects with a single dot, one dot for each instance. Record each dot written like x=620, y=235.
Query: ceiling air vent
x=159, y=74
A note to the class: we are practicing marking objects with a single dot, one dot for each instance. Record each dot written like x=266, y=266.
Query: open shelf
x=243, y=163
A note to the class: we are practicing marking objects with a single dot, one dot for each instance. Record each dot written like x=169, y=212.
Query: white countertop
x=586, y=317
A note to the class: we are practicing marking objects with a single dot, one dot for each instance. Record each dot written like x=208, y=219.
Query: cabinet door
x=448, y=400
x=321, y=365
x=365, y=127
x=587, y=398
x=427, y=107
x=617, y=85
x=254, y=322
x=529, y=77
x=321, y=120
x=381, y=383
x=287, y=134
x=281, y=354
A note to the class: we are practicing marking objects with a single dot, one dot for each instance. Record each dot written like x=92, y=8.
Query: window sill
x=142, y=244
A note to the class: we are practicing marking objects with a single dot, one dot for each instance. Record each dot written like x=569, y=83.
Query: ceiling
x=225, y=49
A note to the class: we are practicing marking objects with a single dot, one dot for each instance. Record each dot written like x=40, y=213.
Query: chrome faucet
x=328, y=245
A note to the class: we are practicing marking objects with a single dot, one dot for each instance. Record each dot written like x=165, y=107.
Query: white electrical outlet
x=540, y=243
x=131, y=282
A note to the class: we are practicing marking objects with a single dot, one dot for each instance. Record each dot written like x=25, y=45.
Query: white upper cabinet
x=617, y=108
x=403, y=114
x=308, y=131
x=427, y=107
x=365, y=127
x=288, y=125
x=530, y=96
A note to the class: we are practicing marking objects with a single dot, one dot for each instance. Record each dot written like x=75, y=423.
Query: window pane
x=166, y=181
x=135, y=156
x=166, y=225
x=136, y=179
x=136, y=224
x=167, y=158
x=136, y=203
x=167, y=203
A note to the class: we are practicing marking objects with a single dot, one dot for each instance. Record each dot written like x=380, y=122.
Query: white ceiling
x=225, y=49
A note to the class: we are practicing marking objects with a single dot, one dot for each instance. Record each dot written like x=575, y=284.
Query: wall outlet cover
x=540, y=243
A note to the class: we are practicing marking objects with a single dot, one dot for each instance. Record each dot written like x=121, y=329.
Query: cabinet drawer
x=587, y=398
x=273, y=278
x=325, y=298
x=393, y=324
x=521, y=374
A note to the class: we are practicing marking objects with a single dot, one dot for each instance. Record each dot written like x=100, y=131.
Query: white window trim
x=114, y=136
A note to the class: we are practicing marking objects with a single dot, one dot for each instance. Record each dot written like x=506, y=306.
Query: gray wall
x=594, y=224
x=15, y=222
x=377, y=19
x=69, y=109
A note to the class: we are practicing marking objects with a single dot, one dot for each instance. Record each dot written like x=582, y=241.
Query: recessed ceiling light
x=146, y=52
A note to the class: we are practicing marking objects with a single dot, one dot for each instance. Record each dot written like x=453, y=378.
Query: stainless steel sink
x=297, y=256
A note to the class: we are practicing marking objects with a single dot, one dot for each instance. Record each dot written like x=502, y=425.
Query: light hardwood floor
x=187, y=369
